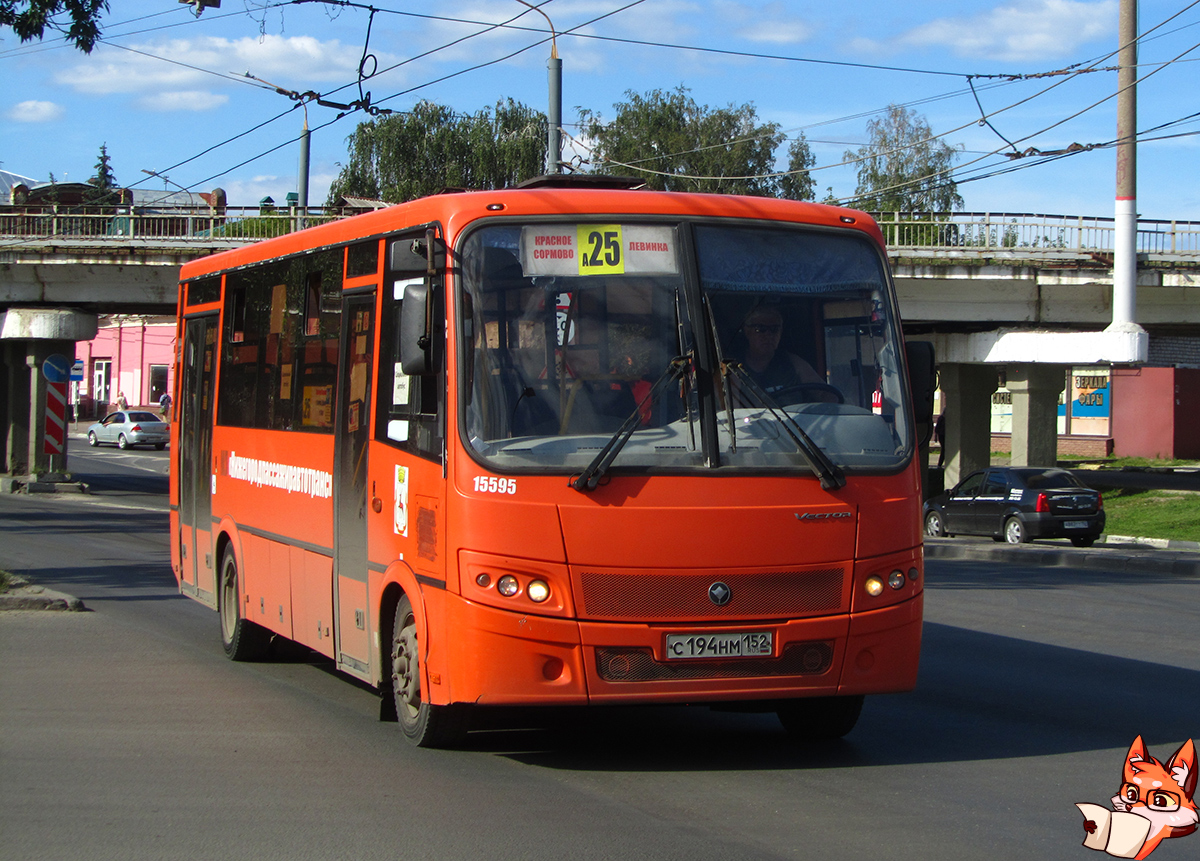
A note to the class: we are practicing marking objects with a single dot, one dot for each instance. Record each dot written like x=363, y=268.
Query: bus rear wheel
x=242, y=640
x=423, y=724
x=820, y=718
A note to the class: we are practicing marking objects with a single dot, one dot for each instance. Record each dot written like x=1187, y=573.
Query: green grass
x=7, y=581
x=1153, y=513
x=1119, y=462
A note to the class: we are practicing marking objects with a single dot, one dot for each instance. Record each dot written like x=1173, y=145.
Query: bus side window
x=279, y=358
x=411, y=409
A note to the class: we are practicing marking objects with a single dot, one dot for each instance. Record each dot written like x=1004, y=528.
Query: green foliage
x=903, y=168
x=31, y=18
x=405, y=156
x=104, y=184
x=679, y=145
x=798, y=184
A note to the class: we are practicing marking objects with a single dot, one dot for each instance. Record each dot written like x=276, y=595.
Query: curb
x=23, y=595
x=1138, y=557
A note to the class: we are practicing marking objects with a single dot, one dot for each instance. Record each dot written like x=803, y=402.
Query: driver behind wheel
x=772, y=368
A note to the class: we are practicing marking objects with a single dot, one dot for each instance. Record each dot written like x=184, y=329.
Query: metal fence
x=978, y=235
x=162, y=226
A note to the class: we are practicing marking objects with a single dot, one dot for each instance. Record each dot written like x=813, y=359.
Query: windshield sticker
x=598, y=249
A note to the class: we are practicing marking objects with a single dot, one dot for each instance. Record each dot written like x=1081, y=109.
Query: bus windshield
x=699, y=344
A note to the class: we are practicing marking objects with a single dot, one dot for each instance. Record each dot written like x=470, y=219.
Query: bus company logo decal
x=293, y=479
x=823, y=515
x=720, y=593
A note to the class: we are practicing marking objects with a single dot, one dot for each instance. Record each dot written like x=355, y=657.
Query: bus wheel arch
x=405, y=681
x=241, y=639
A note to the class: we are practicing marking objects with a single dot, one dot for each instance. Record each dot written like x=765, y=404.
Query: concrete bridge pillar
x=27, y=338
x=1035, y=390
x=967, y=431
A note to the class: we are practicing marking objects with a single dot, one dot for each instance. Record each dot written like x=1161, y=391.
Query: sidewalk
x=1112, y=553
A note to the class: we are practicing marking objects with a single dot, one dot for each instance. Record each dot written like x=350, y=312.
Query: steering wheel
x=802, y=393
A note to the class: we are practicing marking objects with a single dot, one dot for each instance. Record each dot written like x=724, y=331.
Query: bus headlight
x=896, y=580
x=537, y=591
x=508, y=586
x=874, y=585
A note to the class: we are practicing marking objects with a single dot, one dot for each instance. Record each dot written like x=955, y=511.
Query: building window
x=158, y=382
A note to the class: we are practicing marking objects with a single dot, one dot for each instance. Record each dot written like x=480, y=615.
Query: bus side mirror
x=420, y=255
x=922, y=379
x=416, y=329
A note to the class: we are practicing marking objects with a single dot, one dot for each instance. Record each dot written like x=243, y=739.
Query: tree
x=405, y=156
x=677, y=145
x=104, y=183
x=30, y=19
x=903, y=167
x=798, y=183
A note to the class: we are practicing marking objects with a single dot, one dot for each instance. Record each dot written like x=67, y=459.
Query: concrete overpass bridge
x=1023, y=295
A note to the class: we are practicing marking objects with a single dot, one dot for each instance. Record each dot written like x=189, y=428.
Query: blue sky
x=165, y=90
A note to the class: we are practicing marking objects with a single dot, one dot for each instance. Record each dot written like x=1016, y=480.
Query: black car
x=1018, y=504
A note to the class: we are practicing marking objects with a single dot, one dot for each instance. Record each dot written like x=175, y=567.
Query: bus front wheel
x=242, y=640
x=820, y=718
x=423, y=724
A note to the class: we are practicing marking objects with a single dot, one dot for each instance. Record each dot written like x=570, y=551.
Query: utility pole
x=302, y=181
x=1125, y=240
x=554, y=113
x=554, y=151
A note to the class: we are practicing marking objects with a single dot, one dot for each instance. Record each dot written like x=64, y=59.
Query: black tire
x=160, y=445
x=423, y=724
x=820, y=718
x=1014, y=531
x=935, y=526
x=1083, y=540
x=122, y=442
x=92, y=440
x=242, y=640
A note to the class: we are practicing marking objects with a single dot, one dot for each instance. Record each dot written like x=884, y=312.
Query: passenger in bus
x=772, y=368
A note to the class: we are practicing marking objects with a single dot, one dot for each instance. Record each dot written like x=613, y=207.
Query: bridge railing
x=162, y=226
x=1030, y=235
x=945, y=235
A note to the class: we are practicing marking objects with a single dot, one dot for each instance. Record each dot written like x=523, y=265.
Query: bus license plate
x=1076, y=524
x=751, y=644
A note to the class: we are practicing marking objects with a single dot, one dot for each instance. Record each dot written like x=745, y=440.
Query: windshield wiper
x=829, y=472
x=590, y=477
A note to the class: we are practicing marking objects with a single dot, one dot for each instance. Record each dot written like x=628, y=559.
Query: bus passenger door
x=353, y=431
x=195, y=458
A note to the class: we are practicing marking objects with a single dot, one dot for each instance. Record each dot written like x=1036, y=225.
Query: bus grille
x=647, y=597
x=638, y=665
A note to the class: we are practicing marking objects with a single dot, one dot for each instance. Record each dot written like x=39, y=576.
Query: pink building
x=132, y=354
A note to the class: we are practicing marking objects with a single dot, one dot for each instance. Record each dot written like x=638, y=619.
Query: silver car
x=130, y=428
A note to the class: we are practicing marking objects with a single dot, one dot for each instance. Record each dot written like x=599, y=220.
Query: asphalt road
x=125, y=734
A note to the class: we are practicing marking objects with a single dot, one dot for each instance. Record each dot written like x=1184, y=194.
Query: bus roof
x=454, y=211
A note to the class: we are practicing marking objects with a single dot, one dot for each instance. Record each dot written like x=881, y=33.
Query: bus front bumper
x=503, y=658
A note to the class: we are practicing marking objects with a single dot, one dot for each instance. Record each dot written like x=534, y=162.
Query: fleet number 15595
x=492, y=484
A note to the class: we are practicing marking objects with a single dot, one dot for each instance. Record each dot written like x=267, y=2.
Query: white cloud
x=183, y=100
x=248, y=192
x=33, y=111
x=1020, y=31
x=293, y=62
x=771, y=24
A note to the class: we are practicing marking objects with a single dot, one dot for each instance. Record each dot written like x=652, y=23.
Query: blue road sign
x=57, y=368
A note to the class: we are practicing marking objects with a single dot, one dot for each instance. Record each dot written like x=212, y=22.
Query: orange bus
x=560, y=445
